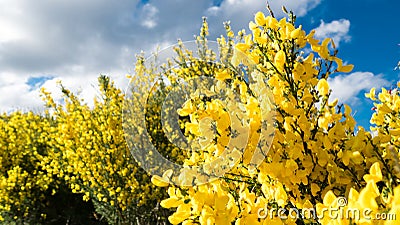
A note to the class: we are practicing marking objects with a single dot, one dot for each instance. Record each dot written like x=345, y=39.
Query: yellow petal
x=375, y=173
x=334, y=103
x=280, y=59
x=384, y=108
x=314, y=189
x=280, y=195
x=323, y=87
x=252, y=25
x=168, y=174
x=347, y=110
x=171, y=202
x=371, y=94
x=260, y=19
x=296, y=33
x=222, y=75
x=346, y=68
x=353, y=195
x=329, y=198
x=181, y=214
x=367, y=196
x=376, y=170
x=395, y=132
x=187, y=108
x=159, y=181
x=242, y=47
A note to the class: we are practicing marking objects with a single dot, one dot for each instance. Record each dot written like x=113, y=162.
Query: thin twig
x=270, y=10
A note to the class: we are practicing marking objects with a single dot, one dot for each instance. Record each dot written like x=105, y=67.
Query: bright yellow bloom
x=280, y=60
x=375, y=174
x=323, y=87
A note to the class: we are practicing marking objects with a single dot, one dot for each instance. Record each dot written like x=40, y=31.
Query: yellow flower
x=341, y=68
x=223, y=75
x=280, y=195
x=280, y=60
x=296, y=33
x=260, y=19
x=181, y=214
x=159, y=181
x=375, y=174
x=367, y=196
x=171, y=202
x=323, y=87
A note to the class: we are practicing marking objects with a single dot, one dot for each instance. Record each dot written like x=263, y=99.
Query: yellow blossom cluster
x=317, y=156
x=91, y=155
x=260, y=128
x=24, y=181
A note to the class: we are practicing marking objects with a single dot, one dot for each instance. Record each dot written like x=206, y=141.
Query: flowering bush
x=24, y=181
x=264, y=136
x=91, y=156
x=317, y=154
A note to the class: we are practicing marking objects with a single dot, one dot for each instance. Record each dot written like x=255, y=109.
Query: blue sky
x=373, y=45
x=374, y=31
x=75, y=41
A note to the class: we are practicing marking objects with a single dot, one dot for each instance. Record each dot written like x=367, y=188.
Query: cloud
x=240, y=12
x=76, y=41
x=16, y=93
x=347, y=87
x=149, y=16
x=337, y=30
x=37, y=82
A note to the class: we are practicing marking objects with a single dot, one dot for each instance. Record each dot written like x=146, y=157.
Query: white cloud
x=17, y=94
x=347, y=87
x=149, y=18
x=76, y=41
x=240, y=12
x=337, y=30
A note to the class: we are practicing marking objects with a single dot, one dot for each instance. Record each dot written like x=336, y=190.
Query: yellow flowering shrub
x=24, y=181
x=317, y=157
x=91, y=155
x=264, y=143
